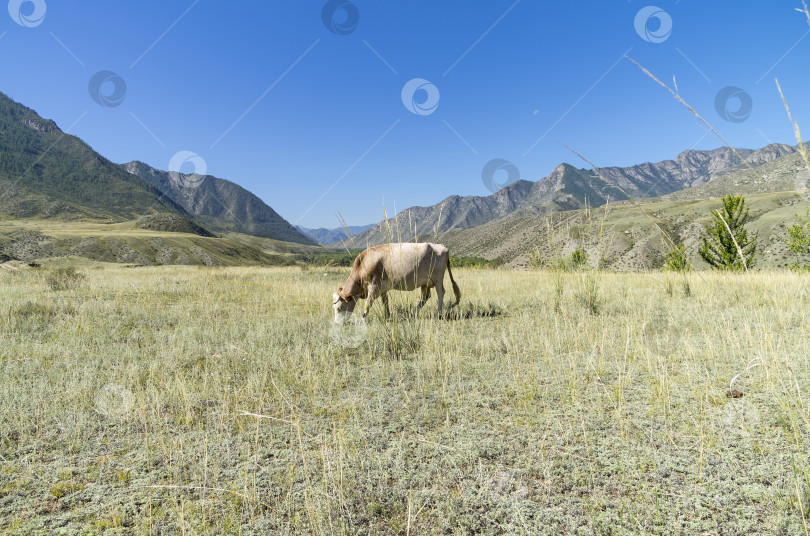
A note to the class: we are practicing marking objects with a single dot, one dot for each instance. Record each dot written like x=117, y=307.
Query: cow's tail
x=456, y=290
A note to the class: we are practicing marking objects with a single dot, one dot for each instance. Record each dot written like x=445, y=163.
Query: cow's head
x=343, y=305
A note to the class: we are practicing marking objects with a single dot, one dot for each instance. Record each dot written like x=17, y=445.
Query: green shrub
x=578, y=259
x=798, y=241
x=676, y=260
x=469, y=262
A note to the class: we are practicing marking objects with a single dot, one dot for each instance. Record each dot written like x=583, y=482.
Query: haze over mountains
x=329, y=236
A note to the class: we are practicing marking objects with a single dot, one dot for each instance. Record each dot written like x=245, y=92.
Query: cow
x=396, y=266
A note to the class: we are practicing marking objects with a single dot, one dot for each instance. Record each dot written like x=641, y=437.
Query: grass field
x=194, y=400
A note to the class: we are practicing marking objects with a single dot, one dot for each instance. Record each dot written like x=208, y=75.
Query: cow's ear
x=340, y=289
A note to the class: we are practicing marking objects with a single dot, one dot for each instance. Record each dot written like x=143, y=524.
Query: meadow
x=198, y=400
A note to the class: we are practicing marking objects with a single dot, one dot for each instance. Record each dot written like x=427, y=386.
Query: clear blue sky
x=319, y=107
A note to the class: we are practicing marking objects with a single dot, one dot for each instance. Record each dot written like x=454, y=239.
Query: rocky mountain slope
x=220, y=204
x=46, y=173
x=567, y=188
x=627, y=237
x=636, y=234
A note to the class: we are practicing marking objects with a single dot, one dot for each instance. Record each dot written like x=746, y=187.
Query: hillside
x=170, y=223
x=567, y=188
x=220, y=204
x=629, y=236
x=47, y=173
x=130, y=243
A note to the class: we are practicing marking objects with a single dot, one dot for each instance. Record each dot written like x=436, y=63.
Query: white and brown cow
x=397, y=266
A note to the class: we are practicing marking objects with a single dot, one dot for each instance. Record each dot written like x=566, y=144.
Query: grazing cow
x=400, y=266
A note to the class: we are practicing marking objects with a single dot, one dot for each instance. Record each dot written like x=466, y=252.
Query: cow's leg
x=384, y=299
x=371, y=295
x=439, y=294
x=425, y=296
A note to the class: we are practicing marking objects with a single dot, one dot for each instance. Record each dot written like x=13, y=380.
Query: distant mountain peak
x=331, y=236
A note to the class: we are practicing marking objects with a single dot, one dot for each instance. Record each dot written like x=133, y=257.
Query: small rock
x=734, y=393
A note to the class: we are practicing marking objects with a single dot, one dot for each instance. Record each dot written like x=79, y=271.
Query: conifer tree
x=728, y=245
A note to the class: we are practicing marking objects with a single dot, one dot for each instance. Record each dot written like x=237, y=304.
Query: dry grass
x=221, y=401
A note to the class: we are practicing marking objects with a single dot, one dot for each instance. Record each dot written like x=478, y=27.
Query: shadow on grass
x=464, y=311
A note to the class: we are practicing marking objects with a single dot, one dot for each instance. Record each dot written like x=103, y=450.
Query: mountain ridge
x=568, y=188
x=322, y=235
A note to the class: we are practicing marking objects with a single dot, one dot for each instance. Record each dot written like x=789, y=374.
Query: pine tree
x=798, y=240
x=676, y=260
x=728, y=245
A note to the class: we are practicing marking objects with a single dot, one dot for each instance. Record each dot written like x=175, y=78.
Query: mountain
x=775, y=168
x=567, y=188
x=47, y=173
x=323, y=235
x=629, y=237
x=220, y=204
x=636, y=234
x=59, y=198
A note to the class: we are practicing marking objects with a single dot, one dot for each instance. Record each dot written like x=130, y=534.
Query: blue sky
x=311, y=116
